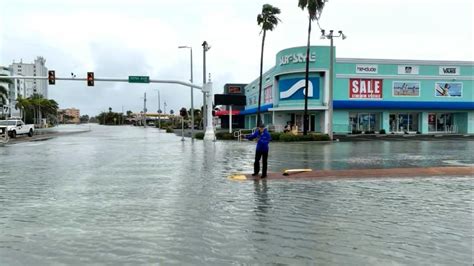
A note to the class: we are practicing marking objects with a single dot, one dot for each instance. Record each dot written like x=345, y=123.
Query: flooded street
x=118, y=195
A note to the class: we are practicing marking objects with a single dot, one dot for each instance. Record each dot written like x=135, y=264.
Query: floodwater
x=128, y=195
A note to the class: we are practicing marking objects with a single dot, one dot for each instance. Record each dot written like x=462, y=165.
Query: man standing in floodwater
x=262, y=149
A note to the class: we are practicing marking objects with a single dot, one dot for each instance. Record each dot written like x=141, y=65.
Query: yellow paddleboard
x=238, y=177
x=292, y=171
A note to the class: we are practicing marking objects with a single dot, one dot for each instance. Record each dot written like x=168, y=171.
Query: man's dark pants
x=256, y=164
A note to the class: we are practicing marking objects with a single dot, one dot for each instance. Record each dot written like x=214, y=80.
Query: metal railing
x=238, y=134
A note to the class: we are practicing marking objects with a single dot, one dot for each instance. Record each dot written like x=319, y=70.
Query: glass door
x=366, y=122
x=403, y=122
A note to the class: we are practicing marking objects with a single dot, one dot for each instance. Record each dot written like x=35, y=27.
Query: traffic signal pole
x=209, y=133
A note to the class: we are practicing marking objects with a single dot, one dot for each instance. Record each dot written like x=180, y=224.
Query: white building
x=4, y=108
x=30, y=87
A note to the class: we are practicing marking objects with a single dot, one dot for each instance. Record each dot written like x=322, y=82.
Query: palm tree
x=268, y=21
x=23, y=104
x=315, y=8
x=3, y=98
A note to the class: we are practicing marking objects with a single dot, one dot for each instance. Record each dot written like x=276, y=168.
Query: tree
x=23, y=104
x=315, y=8
x=84, y=118
x=267, y=20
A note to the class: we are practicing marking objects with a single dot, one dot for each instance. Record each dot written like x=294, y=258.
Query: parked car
x=16, y=127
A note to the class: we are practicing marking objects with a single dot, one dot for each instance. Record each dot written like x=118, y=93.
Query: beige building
x=69, y=116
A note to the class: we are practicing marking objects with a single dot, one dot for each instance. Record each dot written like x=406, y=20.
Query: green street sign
x=138, y=79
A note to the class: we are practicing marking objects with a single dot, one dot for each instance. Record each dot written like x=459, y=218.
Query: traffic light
x=51, y=77
x=90, y=78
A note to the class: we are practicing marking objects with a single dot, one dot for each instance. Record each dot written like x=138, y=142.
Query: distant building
x=31, y=86
x=4, y=88
x=69, y=116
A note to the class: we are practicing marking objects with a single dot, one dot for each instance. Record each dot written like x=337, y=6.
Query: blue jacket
x=263, y=139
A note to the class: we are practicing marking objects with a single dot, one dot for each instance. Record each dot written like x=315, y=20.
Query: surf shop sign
x=296, y=58
x=365, y=88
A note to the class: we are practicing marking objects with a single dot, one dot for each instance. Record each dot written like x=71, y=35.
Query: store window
x=404, y=122
x=441, y=122
x=364, y=122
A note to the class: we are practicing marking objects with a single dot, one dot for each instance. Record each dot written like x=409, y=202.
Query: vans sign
x=367, y=69
x=449, y=71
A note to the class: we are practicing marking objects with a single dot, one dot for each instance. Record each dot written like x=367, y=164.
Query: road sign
x=138, y=79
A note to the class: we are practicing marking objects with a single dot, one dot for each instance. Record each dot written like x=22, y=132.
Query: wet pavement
x=129, y=195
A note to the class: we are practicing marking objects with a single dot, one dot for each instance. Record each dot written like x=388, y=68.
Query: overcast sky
x=118, y=38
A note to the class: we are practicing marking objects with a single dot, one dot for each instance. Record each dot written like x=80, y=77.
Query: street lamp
x=159, y=111
x=192, y=97
x=205, y=48
x=331, y=36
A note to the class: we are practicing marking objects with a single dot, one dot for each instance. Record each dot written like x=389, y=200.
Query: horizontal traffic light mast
x=206, y=89
x=126, y=80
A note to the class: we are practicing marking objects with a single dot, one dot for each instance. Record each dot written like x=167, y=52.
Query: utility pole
x=159, y=111
x=192, y=97
x=205, y=48
x=329, y=116
x=144, y=111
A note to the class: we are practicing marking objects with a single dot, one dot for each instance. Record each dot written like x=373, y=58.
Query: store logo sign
x=367, y=69
x=296, y=58
x=449, y=71
x=294, y=88
x=408, y=70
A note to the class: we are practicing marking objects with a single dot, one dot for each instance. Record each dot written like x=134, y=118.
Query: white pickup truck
x=16, y=127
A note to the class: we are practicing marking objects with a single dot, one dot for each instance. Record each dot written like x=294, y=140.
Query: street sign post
x=138, y=79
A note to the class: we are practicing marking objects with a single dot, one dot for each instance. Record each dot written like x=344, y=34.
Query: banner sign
x=293, y=89
x=367, y=69
x=408, y=70
x=267, y=92
x=449, y=71
x=448, y=89
x=365, y=88
x=406, y=88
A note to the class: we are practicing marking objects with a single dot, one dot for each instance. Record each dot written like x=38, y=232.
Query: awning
x=263, y=108
x=226, y=112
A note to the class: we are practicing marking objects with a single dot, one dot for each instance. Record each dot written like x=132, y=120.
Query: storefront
x=398, y=96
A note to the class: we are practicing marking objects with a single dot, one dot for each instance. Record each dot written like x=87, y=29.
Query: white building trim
x=403, y=61
x=404, y=77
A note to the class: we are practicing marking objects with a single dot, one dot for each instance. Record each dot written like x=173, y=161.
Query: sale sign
x=365, y=88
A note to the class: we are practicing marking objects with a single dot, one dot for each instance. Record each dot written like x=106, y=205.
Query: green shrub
x=225, y=136
x=275, y=135
x=199, y=135
x=382, y=131
x=320, y=137
x=246, y=131
x=169, y=130
x=286, y=137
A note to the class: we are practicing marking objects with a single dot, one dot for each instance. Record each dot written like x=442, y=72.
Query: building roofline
x=404, y=61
